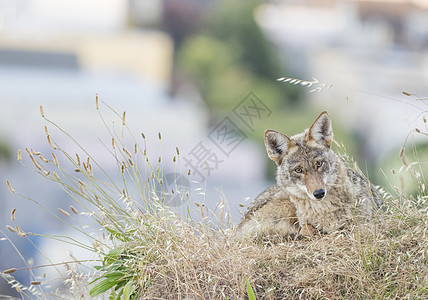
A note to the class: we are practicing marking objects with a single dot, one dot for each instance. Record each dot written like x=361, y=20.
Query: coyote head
x=307, y=167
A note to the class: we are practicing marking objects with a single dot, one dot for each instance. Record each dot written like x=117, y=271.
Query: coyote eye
x=319, y=164
x=298, y=170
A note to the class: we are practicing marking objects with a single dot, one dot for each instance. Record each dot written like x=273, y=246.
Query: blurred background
x=190, y=69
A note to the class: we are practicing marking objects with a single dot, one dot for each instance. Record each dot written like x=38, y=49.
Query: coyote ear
x=321, y=131
x=277, y=144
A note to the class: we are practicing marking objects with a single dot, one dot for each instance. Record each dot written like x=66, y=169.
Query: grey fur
x=306, y=163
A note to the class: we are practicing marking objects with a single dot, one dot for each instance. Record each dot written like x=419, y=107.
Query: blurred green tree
x=231, y=57
x=233, y=22
x=5, y=150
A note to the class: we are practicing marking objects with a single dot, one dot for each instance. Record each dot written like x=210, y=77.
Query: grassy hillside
x=147, y=250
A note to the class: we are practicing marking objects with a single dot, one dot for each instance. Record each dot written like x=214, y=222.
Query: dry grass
x=386, y=260
x=147, y=251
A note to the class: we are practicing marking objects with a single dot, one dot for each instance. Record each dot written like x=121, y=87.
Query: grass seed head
x=10, y=187
x=19, y=232
x=55, y=160
x=78, y=159
x=82, y=192
x=19, y=155
x=43, y=159
x=35, y=282
x=91, y=172
x=10, y=228
x=403, y=156
x=159, y=136
x=124, y=118
x=34, y=152
x=96, y=102
x=12, y=214
x=50, y=142
x=74, y=210
x=143, y=135
x=42, y=113
x=127, y=152
x=64, y=212
x=35, y=163
x=9, y=271
x=406, y=93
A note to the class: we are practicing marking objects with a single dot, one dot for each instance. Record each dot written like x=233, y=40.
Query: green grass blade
x=127, y=290
x=250, y=291
x=102, y=287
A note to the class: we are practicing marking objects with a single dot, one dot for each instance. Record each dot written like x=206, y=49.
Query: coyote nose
x=319, y=194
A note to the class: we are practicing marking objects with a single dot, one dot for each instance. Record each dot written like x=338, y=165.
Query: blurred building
x=405, y=21
x=367, y=51
x=89, y=35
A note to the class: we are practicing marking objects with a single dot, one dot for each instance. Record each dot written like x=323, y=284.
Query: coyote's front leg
x=307, y=230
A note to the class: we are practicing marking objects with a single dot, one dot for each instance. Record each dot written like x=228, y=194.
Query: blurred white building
x=95, y=32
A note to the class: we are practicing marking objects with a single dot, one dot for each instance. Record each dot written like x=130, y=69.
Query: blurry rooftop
x=88, y=35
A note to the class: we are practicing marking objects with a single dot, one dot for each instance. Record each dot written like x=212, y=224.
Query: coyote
x=314, y=192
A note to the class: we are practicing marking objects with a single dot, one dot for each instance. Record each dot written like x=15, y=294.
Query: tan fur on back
x=272, y=214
